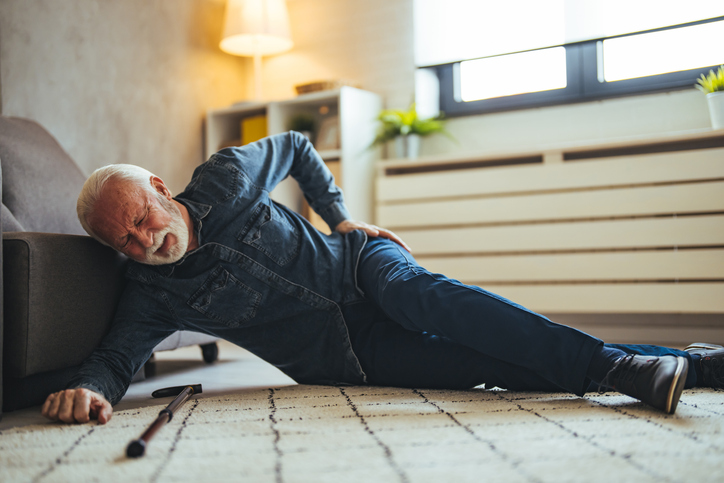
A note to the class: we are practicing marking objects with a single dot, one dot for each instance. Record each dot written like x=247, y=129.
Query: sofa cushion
x=9, y=223
x=183, y=338
x=40, y=182
x=61, y=292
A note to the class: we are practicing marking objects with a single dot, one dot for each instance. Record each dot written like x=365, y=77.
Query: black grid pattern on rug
x=378, y=434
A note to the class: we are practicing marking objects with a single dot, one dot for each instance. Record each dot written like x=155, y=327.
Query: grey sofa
x=59, y=287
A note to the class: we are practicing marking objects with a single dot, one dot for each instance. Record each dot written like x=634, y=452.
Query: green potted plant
x=713, y=86
x=303, y=123
x=406, y=129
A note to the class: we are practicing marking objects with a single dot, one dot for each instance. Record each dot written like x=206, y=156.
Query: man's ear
x=160, y=186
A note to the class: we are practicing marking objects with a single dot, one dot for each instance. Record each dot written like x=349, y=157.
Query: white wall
x=591, y=121
x=119, y=81
x=366, y=41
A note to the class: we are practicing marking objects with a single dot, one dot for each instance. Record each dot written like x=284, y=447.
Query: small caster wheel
x=210, y=352
x=149, y=368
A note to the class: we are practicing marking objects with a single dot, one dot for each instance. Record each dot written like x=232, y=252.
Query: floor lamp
x=255, y=28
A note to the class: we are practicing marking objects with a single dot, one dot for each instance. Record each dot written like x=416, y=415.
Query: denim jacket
x=262, y=276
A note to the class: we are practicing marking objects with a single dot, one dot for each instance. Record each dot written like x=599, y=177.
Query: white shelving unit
x=352, y=162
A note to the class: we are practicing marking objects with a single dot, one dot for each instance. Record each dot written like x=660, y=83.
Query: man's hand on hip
x=374, y=231
x=77, y=406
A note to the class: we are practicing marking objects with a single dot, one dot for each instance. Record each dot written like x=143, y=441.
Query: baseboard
x=671, y=330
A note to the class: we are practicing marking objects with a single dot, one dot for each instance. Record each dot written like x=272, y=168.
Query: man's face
x=143, y=224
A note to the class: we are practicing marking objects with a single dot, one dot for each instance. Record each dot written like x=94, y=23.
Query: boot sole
x=677, y=385
x=703, y=346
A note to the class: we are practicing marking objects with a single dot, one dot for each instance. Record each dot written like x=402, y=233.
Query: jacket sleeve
x=267, y=162
x=139, y=326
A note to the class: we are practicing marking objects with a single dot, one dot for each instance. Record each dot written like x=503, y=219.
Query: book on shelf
x=253, y=128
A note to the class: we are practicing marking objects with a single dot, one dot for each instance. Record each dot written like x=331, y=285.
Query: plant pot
x=716, y=109
x=407, y=146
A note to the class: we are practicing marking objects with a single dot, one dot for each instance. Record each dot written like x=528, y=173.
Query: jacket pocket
x=271, y=233
x=225, y=299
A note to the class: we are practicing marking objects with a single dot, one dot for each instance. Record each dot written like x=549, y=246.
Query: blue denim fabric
x=262, y=277
x=509, y=337
x=423, y=329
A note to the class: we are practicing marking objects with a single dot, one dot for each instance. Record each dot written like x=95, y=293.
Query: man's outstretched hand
x=77, y=406
x=350, y=225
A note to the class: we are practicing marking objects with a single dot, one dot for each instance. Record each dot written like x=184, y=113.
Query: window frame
x=582, y=82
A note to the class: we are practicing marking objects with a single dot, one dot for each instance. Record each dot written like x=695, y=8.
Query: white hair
x=93, y=187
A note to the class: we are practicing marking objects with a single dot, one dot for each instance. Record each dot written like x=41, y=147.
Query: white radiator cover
x=631, y=231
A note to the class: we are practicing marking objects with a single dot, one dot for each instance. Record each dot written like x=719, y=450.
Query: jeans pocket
x=225, y=299
x=269, y=231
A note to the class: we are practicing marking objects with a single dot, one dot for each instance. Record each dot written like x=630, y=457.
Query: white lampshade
x=256, y=28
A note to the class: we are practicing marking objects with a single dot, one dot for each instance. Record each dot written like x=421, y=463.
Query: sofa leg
x=210, y=352
x=150, y=366
x=147, y=370
x=140, y=375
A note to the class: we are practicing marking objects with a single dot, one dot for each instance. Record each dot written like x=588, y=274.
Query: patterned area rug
x=363, y=434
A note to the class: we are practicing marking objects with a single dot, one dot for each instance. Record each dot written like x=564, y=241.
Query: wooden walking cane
x=137, y=447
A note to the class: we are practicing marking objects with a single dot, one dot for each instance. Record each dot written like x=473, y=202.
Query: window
x=662, y=52
x=541, y=52
x=478, y=79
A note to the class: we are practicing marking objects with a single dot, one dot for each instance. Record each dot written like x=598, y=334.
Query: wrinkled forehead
x=117, y=188
x=117, y=200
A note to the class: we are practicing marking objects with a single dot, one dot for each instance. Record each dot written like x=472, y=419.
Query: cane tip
x=136, y=448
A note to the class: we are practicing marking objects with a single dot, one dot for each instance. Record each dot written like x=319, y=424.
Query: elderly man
x=353, y=307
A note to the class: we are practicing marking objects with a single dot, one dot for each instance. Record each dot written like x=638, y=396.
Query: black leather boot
x=657, y=381
x=711, y=363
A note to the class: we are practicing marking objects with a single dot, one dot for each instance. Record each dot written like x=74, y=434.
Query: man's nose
x=145, y=238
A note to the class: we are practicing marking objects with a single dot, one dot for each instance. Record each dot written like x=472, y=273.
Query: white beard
x=176, y=227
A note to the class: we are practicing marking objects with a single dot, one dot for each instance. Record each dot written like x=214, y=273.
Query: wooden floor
x=235, y=370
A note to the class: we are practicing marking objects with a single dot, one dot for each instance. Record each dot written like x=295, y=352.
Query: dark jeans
x=421, y=329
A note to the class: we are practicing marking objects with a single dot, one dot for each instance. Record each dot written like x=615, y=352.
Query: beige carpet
x=368, y=434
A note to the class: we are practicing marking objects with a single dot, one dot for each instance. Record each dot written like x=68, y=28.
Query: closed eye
x=136, y=224
x=143, y=218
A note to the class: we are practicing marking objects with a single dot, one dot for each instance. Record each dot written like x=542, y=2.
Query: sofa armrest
x=2, y=330
x=61, y=292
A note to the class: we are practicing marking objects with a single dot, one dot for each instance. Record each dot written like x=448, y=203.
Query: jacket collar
x=197, y=211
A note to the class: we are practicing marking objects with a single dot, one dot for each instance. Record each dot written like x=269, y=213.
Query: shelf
x=330, y=154
x=354, y=110
x=241, y=107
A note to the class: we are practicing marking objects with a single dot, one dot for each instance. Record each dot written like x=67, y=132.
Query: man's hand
x=350, y=225
x=77, y=406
